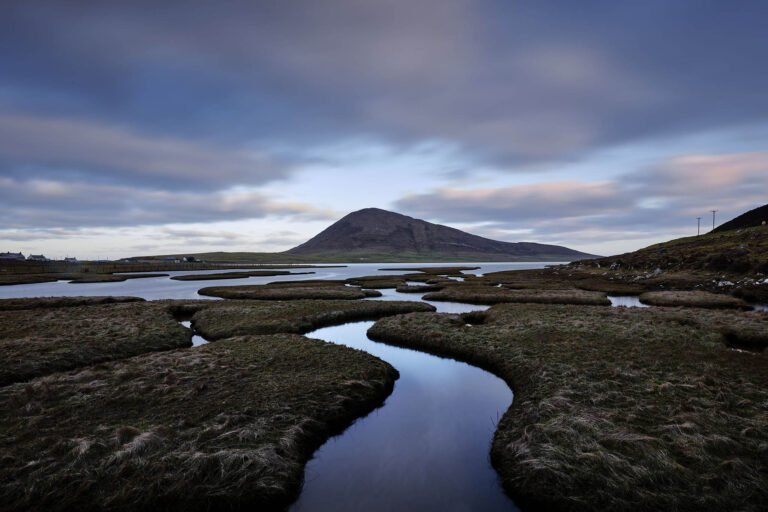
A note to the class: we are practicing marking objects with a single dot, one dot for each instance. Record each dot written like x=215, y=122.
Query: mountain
x=372, y=233
x=752, y=218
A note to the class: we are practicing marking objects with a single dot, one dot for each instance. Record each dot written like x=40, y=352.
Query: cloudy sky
x=145, y=127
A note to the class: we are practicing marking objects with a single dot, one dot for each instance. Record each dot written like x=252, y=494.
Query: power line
x=698, y=226
x=713, y=218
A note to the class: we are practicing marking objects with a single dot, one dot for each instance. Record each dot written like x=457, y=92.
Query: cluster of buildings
x=17, y=256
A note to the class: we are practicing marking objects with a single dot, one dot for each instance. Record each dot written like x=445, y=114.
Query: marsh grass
x=38, y=341
x=616, y=408
x=435, y=271
x=236, y=275
x=474, y=294
x=216, y=320
x=12, y=279
x=61, y=302
x=380, y=282
x=226, y=426
x=696, y=299
x=108, y=278
x=280, y=292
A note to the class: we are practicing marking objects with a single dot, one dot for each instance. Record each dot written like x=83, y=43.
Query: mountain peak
x=373, y=231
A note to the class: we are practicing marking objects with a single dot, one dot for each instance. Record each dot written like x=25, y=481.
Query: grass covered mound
x=307, y=283
x=279, y=292
x=235, y=275
x=109, y=278
x=696, y=299
x=615, y=408
x=12, y=279
x=380, y=282
x=473, y=294
x=35, y=342
x=219, y=320
x=226, y=426
x=85, y=277
x=61, y=302
x=436, y=271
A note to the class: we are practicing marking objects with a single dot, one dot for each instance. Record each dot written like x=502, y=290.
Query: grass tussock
x=217, y=320
x=61, y=302
x=435, y=271
x=694, y=299
x=279, y=292
x=235, y=275
x=616, y=408
x=12, y=279
x=226, y=426
x=39, y=341
x=473, y=294
x=380, y=282
x=306, y=283
x=108, y=278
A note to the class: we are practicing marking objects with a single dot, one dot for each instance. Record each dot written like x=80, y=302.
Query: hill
x=750, y=219
x=734, y=251
x=372, y=233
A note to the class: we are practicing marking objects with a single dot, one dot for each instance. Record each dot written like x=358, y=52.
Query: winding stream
x=425, y=449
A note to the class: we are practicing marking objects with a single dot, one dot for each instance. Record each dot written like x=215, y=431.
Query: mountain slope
x=373, y=231
x=750, y=219
x=733, y=251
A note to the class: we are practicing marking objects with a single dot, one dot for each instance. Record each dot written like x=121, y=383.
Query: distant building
x=37, y=257
x=189, y=259
x=70, y=260
x=11, y=256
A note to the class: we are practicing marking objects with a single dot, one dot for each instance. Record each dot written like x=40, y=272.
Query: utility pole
x=713, y=219
x=698, y=226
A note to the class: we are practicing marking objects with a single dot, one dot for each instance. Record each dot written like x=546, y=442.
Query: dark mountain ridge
x=376, y=231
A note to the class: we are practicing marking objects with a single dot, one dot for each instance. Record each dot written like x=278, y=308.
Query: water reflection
x=197, y=340
x=425, y=450
x=627, y=301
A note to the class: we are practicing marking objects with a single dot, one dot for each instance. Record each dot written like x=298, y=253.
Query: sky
x=135, y=128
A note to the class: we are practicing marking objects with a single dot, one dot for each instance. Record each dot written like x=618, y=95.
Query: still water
x=426, y=449
x=165, y=288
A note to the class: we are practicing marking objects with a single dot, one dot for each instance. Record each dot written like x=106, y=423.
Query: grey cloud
x=60, y=147
x=520, y=82
x=657, y=201
x=518, y=204
x=52, y=204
